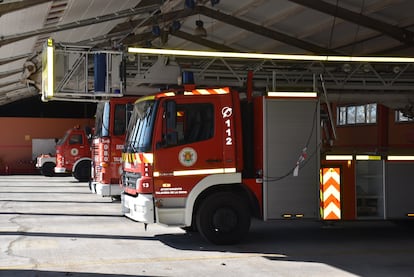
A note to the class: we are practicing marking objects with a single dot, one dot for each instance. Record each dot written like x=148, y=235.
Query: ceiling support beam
x=137, y=39
x=9, y=83
x=10, y=73
x=260, y=30
x=15, y=58
x=201, y=41
x=395, y=32
x=157, y=18
x=143, y=38
x=387, y=51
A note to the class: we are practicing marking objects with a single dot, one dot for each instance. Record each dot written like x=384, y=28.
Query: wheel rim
x=224, y=220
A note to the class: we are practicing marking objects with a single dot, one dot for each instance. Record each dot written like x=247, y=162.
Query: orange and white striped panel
x=331, y=193
x=224, y=90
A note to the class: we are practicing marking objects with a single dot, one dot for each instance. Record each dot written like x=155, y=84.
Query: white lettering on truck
x=227, y=113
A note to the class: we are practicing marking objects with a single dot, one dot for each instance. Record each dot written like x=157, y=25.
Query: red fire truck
x=73, y=153
x=112, y=117
x=209, y=159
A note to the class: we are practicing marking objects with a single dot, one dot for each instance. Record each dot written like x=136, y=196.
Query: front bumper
x=107, y=189
x=60, y=170
x=140, y=208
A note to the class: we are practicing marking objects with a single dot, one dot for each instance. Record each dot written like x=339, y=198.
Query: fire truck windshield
x=62, y=140
x=102, y=119
x=139, y=133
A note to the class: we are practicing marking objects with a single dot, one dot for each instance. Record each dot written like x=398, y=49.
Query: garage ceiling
x=332, y=27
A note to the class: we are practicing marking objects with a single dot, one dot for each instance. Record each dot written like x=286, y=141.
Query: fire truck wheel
x=48, y=169
x=82, y=171
x=223, y=218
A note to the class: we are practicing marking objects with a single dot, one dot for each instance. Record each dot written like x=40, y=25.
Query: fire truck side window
x=120, y=120
x=75, y=139
x=195, y=122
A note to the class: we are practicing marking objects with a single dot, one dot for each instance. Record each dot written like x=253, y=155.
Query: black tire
x=223, y=218
x=82, y=171
x=48, y=169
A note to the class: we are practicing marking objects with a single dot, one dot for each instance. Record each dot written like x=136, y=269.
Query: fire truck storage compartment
x=43, y=146
x=291, y=134
x=369, y=181
x=399, y=189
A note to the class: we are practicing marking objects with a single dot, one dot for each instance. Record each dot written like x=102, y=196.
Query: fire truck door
x=193, y=149
x=75, y=145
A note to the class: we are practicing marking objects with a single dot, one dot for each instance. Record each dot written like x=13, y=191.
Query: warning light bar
x=224, y=90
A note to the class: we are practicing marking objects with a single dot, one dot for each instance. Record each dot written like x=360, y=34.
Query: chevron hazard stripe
x=331, y=212
x=331, y=193
x=223, y=90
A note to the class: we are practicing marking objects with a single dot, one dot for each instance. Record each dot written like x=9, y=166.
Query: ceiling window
x=360, y=114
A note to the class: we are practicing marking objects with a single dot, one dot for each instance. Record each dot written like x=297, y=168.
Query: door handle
x=214, y=160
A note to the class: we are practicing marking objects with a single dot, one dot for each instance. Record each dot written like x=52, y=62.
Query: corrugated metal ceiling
x=345, y=27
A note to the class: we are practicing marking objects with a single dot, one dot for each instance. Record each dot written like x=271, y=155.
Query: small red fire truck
x=73, y=153
x=211, y=158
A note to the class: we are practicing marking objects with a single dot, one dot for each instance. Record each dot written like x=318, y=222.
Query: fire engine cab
x=73, y=153
x=211, y=158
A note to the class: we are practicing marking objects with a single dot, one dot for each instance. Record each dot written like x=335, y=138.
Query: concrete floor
x=56, y=227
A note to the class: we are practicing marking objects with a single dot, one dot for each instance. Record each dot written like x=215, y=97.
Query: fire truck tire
x=223, y=218
x=48, y=169
x=82, y=171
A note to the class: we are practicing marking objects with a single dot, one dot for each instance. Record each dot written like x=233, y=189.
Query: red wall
x=401, y=136
x=16, y=139
x=356, y=137
x=384, y=137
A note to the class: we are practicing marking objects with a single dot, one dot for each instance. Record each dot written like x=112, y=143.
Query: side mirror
x=129, y=110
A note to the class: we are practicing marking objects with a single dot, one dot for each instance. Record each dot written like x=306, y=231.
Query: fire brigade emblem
x=187, y=156
x=74, y=151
